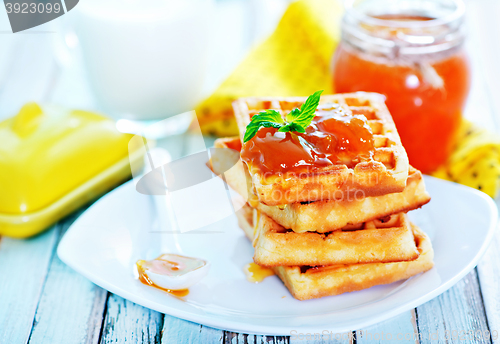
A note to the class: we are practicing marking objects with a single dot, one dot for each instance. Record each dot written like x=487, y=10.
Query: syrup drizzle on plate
x=145, y=280
x=172, y=273
x=256, y=273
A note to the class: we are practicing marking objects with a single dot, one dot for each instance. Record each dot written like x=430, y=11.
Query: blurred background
x=43, y=64
x=33, y=67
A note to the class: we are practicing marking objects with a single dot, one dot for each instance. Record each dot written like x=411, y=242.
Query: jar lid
x=404, y=27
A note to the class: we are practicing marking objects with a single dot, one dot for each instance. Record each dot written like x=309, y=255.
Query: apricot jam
x=334, y=137
x=256, y=273
x=172, y=273
x=419, y=64
x=145, y=280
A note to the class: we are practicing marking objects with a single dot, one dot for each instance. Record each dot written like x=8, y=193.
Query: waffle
x=307, y=282
x=320, y=216
x=386, y=172
x=386, y=240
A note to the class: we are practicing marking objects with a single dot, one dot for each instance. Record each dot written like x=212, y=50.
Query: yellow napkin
x=293, y=61
x=475, y=161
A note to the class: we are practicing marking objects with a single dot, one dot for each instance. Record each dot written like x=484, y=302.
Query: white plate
x=105, y=242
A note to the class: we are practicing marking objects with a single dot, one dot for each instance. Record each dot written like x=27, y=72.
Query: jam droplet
x=256, y=273
x=145, y=280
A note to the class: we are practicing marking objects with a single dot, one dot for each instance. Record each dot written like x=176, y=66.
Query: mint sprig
x=297, y=120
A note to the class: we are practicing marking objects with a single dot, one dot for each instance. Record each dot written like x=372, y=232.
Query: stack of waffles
x=338, y=227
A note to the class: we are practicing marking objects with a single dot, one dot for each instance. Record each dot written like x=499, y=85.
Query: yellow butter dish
x=54, y=160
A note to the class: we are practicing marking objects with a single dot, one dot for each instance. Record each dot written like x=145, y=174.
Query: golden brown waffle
x=307, y=282
x=385, y=240
x=320, y=216
x=385, y=173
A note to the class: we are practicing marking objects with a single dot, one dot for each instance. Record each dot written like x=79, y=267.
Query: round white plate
x=106, y=241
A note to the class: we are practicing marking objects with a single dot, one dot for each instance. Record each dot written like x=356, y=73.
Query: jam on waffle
x=351, y=146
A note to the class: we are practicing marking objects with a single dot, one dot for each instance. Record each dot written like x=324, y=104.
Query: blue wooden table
x=44, y=301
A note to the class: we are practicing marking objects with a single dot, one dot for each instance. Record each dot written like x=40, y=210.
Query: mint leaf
x=267, y=119
x=311, y=103
x=292, y=127
x=297, y=120
x=254, y=127
x=293, y=115
x=307, y=111
x=267, y=116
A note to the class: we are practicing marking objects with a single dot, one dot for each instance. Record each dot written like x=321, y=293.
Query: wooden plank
x=71, y=307
x=23, y=267
x=176, y=330
x=325, y=337
x=489, y=280
x=457, y=315
x=127, y=322
x=239, y=338
x=402, y=328
x=95, y=319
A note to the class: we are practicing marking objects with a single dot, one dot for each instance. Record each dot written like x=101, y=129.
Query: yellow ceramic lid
x=46, y=152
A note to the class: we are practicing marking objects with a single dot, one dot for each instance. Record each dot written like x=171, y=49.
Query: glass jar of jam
x=412, y=52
